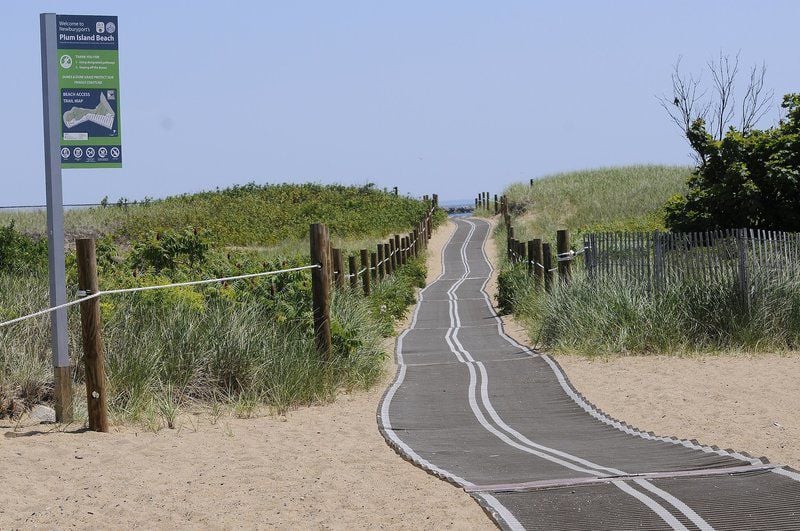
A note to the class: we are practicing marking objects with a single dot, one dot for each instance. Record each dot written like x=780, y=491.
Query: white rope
x=85, y=296
x=570, y=255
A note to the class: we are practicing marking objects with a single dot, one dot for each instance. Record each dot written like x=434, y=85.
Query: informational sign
x=88, y=84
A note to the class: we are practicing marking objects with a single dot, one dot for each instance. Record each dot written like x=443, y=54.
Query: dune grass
x=607, y=199
x=618, y=316
x=248, y=215
x=248, y=344
x=175, y=351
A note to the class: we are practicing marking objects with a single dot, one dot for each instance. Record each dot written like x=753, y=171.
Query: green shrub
x=744, y=180
x=170, y=249
x=617, y=316
x=19, y=253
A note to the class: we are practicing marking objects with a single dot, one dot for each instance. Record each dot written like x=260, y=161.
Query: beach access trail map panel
x=88, y=82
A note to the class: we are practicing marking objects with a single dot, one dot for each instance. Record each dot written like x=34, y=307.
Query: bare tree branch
x=756, y=102
x=689, y=101
x=723, y=75
x=685, y=105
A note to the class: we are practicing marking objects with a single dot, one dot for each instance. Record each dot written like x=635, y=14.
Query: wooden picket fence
x=660, y=258
x=656, y=259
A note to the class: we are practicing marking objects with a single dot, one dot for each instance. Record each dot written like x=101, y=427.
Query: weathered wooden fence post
x=392, y=256
x=91, y=332
x=320, y=288
x=538, y=272
x=398, y=251
x=510, y=238
x=564, y=258
x=388, y=250
x=365, y=275
x=338, y=267
x=394, y=189
x=530, y=258
x=658, y=260
x=547, y=262
x=435, y=200
x=381, y=263
x=496, y=206
x=416, y=243
x=351, y=265
x=428, y=227
x=373, y=268
x=744, y=281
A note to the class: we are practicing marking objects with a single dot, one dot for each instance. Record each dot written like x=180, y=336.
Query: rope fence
x=326, y=267
x=86, y=295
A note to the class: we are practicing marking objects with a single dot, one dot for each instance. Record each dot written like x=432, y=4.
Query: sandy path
x=746, y=403
x=321, y=467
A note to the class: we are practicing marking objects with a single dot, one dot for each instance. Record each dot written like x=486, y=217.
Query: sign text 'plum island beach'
x=88, y=82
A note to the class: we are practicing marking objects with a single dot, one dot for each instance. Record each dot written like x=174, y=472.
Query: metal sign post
x=51, y=105
x=80, y=102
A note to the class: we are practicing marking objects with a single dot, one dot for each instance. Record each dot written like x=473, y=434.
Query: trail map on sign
x=88, y=80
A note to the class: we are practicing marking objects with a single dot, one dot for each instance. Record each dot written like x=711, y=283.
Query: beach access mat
x=478, y=409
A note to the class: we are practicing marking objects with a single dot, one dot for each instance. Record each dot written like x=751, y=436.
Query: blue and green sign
x=88, y=82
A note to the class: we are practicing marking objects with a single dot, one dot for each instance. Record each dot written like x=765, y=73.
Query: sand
x=742, y=402
x=746, y=403
x=319, y=467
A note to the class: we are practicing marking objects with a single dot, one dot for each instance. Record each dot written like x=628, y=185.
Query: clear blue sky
x=450, y=97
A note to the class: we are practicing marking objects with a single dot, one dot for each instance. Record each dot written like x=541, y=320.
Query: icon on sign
x=114, y=152
x=65, y=153
x=78, y=152
x=111, y=94
x=100, y=27
x=65, y=61
x=102, y=152
x=111, y=27
x=90, y=153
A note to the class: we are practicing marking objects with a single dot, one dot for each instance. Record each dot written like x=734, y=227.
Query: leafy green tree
x=747, y=178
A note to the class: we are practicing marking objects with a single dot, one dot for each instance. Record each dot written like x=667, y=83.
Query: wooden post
x=320, y=288
x=381, y=263
x=395, y=190
x=62, y=393
x=496, y=206
x=538, y=272
x=416, y=243
x=338, y=267
x=365, y=275
x=563, y=248
x=435, y=200
x=547, y=262
x=429, y=227
x=373, y=265
x=658, y=260
x=530, y=258
x=398, y=248
x=744, y=282
x=531, y=182
x=387, y=251
x=93, y=351
x=351, y=264
x=510, y=239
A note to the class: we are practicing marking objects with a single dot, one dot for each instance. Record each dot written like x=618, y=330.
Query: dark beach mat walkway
x=478, y=409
